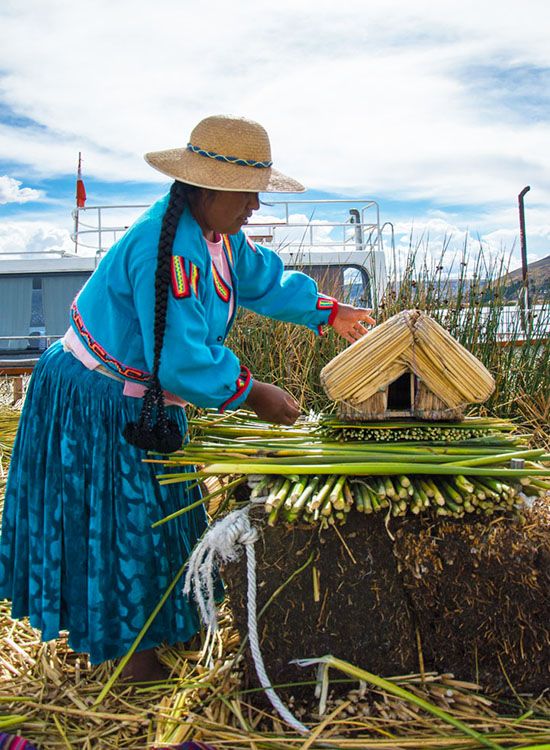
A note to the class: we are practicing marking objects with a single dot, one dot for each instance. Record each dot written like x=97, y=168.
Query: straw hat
x=225, y=153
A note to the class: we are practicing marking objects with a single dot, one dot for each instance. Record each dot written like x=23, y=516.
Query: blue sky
x=439, y=112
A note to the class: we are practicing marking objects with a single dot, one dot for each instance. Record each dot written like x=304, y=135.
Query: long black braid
x=164, y=435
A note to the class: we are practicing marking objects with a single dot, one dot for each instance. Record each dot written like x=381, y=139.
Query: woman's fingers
x=364, y=314
x=292, y=411
x=350, y=322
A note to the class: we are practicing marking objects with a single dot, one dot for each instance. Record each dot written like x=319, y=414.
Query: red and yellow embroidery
x=184, y=282
x=228, y=248
x=194, y=276
x=327, y=303
x=180, y=283
x=222, y=289
x=242, y=384
x=113, y=364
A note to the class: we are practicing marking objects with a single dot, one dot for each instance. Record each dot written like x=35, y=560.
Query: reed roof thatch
x=409, y=341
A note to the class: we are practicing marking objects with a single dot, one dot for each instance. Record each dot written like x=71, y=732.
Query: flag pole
x=80, y=199
x=78, y=177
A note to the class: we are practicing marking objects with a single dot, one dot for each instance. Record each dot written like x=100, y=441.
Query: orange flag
x=80, y=189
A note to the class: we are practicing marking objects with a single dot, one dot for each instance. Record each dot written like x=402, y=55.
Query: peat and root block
x=480, y=594
x=445, y=595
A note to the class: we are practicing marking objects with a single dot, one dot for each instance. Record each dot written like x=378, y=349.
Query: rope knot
x=222, y=543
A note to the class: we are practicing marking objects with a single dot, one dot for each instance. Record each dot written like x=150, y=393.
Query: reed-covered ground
x=55, y=699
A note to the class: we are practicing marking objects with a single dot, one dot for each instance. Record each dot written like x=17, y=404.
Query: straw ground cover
x=50, y=694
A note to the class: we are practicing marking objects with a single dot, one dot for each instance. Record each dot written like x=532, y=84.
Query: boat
x=337, y=242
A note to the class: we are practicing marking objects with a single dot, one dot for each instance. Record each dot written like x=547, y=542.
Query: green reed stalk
x=360, y=469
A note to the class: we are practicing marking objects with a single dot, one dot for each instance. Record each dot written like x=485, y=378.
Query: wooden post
x=17, y=389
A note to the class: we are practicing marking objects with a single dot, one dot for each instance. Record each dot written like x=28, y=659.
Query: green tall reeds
x=470, y=302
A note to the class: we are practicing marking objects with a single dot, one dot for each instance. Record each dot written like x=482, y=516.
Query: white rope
x=223, y=542
x=276, y=702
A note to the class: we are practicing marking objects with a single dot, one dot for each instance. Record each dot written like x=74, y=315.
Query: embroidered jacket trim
x=180, y=282
x=325, y=302
x=243, y=381
x=228, y=248
x=222, y=289
x=113, y=364
x=184, y=282
x=194, y=277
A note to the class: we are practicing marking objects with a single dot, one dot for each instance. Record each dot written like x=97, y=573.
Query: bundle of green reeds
x=442, y=432
x=306, y=478
x=327, y=500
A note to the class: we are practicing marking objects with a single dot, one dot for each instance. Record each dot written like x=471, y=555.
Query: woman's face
x=224, y=211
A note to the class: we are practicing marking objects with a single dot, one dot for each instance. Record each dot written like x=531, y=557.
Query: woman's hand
x=349, y=321
x=272, y=403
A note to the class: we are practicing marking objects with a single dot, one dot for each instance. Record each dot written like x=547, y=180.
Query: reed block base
x=477, y=593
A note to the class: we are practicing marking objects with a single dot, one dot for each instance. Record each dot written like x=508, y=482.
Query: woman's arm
x=291, y=296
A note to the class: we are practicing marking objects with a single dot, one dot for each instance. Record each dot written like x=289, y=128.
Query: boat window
x=347, y=283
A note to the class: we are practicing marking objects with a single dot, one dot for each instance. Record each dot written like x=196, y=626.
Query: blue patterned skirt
x=77, y=550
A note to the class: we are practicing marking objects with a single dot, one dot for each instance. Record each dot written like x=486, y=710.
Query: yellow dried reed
x=408, y=340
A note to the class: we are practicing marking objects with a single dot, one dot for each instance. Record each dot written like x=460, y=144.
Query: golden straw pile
x=54, y=692
x=409, y=340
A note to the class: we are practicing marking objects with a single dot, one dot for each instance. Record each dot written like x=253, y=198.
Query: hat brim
x=185, y=166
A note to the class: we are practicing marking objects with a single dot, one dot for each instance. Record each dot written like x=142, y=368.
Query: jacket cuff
x=330, y=305
x=243, y=385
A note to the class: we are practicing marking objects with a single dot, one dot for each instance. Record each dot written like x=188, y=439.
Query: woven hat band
x=229, y=159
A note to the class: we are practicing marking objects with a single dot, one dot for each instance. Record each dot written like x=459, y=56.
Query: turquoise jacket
x=113, y=314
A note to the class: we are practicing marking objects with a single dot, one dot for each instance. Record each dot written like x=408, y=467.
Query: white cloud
x=437, y=241
x=12, y=192
x=363, y=98
x=20, y=237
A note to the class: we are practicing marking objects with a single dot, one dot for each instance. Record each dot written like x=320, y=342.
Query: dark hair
x=162, y=435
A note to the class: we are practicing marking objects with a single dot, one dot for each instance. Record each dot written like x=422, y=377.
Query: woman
x=77, y=551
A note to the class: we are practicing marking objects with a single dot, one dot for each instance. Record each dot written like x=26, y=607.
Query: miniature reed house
x=408, y=366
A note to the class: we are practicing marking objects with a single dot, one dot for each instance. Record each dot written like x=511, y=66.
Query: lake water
x=511, y=322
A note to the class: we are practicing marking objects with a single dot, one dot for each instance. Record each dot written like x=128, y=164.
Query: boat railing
x=282, y=225
x=19, y=362
x=91, y=230
x=509, y=323
x=35, y=342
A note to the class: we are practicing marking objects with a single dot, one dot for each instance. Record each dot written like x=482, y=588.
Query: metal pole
x=394, y=257
x=525, y=307
x=76, y=215
x=356, y=219
x=99, y=230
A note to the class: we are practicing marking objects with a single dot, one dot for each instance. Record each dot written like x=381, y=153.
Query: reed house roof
x=410, y=341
